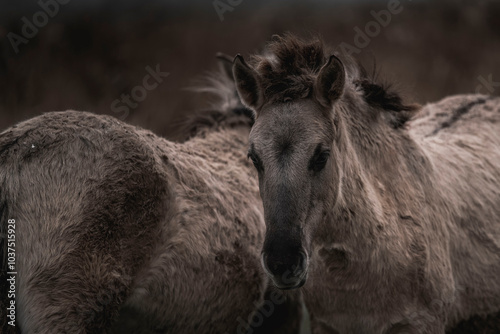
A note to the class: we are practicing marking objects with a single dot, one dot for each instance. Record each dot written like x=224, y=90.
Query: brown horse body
x=120, y=231
x=390, y=224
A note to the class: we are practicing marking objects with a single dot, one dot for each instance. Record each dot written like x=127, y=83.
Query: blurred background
x=85, y=55
x=90, y=54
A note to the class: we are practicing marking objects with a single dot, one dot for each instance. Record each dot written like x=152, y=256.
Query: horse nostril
x=301, y=265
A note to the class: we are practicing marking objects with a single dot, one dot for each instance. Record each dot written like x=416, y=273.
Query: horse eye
x=256, y=161
x=319, y=161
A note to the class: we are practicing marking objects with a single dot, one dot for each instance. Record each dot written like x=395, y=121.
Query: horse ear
x=330, y=81
x=226, y=64
x=247, y=83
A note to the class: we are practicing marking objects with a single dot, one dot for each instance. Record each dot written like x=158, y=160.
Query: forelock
x=288, y=67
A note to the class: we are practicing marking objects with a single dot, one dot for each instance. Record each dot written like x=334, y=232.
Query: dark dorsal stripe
x=458, y=113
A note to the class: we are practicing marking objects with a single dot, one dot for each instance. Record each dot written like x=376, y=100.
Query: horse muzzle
x=288, y=271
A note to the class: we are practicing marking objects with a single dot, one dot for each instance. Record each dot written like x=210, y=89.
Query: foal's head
x=296, y=92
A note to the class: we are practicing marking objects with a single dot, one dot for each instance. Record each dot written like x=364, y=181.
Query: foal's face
x=292, y=145
x=292, y=148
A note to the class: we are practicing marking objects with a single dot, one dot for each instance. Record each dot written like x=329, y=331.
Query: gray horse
x=387, y=213
x=120, y=231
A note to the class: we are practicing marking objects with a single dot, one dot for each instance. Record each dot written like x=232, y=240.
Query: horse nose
x=291, y=265
x=287, y=271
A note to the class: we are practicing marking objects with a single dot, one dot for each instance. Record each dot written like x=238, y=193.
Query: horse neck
x=373, y=171
x=383, y=154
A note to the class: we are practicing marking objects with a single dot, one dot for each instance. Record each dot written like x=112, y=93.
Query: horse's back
x=461, y=138
x=73, y=182
x=120, y=231
x=460, y=115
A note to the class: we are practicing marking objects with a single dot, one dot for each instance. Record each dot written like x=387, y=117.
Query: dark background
x=91, y=52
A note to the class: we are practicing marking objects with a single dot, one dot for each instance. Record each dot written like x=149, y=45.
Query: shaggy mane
x=226, y=109
x=289, y=65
